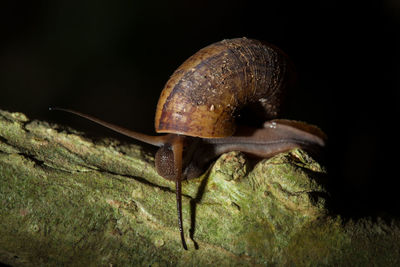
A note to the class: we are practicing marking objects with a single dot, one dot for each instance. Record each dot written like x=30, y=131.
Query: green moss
x=68, y=201
x=314, y=244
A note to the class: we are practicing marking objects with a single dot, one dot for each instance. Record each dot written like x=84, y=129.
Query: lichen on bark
x=68, y=200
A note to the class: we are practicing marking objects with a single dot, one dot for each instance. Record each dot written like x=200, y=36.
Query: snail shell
x=204, y=94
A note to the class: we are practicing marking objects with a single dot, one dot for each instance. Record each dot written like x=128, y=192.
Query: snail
x=199, y=103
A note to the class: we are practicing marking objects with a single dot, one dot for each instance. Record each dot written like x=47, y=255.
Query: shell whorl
x=204, y=94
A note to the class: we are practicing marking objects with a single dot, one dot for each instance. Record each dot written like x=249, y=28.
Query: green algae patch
x=315, y=243
x=67, y=200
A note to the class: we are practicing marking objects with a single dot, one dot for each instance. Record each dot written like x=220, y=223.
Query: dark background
x=112, y=59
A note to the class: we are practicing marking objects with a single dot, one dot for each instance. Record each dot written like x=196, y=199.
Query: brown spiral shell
x=204, y=94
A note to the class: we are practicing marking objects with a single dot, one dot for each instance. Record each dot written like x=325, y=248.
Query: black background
x=112, y=58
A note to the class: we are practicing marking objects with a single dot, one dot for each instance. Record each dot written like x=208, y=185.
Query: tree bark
x=69, y=200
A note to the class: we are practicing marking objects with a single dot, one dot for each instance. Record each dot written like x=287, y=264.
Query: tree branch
x=66, y=199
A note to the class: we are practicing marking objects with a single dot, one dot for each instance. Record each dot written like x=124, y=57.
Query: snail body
x=199, y=103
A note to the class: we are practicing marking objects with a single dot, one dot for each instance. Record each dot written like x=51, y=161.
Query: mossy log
x=68, y=200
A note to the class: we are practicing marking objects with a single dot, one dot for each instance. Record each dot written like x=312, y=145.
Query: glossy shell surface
x=205, y=93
